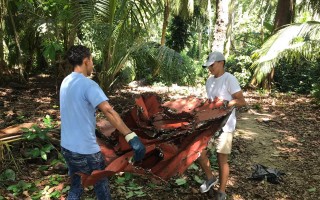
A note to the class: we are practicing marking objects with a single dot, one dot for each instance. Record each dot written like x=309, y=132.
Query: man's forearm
x=116, y=121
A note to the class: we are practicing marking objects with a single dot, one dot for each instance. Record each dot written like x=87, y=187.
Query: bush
x=302, y=77
x=239, y=66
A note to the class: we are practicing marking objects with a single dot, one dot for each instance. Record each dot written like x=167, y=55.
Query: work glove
x=137, y=146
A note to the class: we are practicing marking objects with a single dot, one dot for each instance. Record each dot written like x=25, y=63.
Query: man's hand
x=225, y=104
x=137, y=146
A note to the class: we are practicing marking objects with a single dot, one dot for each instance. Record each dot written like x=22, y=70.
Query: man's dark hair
x=77, y=53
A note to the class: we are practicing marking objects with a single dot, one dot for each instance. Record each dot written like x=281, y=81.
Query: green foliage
x=155, y=63
x=312, y=189
x=128, y=186
x=181, y=181
x=178, y=36
x=198, y=179
x=296, y=77
x=293, y=43
x=21, y=186
x=8, y=175
x=51, y=49
x=39, y=144
x=239, y=66
x=315, y=91
x=119, y=27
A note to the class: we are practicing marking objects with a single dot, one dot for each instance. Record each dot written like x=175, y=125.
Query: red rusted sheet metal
x=173, y=132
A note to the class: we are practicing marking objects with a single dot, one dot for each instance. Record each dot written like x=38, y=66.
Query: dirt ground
x=279, y=131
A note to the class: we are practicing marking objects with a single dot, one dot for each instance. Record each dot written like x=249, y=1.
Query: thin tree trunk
x=220, y=32
x=199, y=39
x=165, y=21
x=2, y=10
x=262, y=17
x=284, y=15
x=16, y=37
x=229, y=28
x=210, y=16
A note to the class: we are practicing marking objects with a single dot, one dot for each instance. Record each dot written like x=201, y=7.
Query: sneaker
x=205, y=187
x=220, y=195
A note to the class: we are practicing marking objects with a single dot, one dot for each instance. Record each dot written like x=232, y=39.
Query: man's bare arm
x=114, y=118
x=238, y=100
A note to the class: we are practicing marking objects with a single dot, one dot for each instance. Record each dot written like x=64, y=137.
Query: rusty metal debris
x=174, y=133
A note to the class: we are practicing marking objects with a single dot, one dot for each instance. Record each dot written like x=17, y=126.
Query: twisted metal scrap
x=174, y=134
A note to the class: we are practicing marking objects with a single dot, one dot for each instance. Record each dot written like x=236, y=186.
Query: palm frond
x=290, y=43
x=313, y=5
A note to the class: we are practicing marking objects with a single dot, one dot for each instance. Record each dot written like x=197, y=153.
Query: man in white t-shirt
x=224, y=86
x=80, y=97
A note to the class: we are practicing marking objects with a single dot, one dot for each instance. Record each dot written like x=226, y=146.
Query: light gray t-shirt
x=79, y=98
x=223, y=87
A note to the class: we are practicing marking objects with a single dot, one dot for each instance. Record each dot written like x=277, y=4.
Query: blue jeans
x=85, y=163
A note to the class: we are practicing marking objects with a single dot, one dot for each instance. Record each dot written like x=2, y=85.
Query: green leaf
x=36, y=128
x=129, y=194
x=193, y=166
x=197, y=179
x=30, y=135
x=181, y=181
x=66, y=189
x=43, y=167
x=54, y=182
x=34, y=152
x=120, y=180
x=13, y=188
x=140, y=193
x=8, y=175
x=55, y=194
x=127, y=176
x=47, y=148
x=312, y=189
x=42, y=135
x=43, y=155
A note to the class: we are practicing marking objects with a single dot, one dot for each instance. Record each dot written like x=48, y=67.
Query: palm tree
x=183, y=8
x=2, y=14
x=291, y=43
x=222, y=20
x=119, y=28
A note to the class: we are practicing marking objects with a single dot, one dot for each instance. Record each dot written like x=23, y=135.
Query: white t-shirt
x=223, y=87
x=79, y=98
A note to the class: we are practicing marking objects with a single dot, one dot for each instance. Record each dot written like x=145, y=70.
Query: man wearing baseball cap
x=224, y=86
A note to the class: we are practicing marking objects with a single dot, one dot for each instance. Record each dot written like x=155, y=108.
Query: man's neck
x=219, y=74
x=80, y=69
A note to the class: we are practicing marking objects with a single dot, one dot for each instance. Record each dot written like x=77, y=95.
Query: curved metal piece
x=174, y=134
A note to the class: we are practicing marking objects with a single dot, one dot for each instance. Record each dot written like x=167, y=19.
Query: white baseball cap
x=213, y=57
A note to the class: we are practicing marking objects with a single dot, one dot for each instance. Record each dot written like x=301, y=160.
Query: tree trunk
x=3, y=64
x=199, y=39
x=284, y=14
x=220, y=32
x=210, y=16
x=1, y=30
x=229, y=28
x=165, y=22
x=16, y=37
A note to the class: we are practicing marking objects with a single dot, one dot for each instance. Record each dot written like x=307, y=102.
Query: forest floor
x=279, y=131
